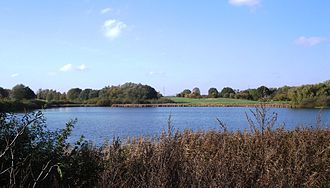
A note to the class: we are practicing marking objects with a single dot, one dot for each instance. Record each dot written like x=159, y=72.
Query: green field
x=216, y=101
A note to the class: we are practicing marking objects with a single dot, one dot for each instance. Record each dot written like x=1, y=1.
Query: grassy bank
x=222, y=101
x=261, y=157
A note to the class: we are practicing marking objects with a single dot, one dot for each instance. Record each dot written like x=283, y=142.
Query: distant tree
x=84, y=94
x=245, y=94
x=213, y=93
x=263, y=92
x=254, y=94
x=50, y=96
x=226, y=91
x=128, y=93
x=21, y=91
x=327, y=83
x=139, y=91
x=281, y=94
x=196, y=93
x=3, y=93
x=93, y=94
x=73, y=94
x=184, y=93
x=63, y=96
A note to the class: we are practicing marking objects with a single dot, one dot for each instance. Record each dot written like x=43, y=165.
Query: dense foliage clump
x=33, y=156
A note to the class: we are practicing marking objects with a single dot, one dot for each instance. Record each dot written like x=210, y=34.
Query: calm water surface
x=104, y=123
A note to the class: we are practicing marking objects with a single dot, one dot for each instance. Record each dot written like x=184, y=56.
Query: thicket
x=32, y=156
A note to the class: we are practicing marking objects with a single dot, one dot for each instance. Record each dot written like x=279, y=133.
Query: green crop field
x=218, y=101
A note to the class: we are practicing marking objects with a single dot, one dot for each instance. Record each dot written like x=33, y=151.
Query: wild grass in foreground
x=260, y=157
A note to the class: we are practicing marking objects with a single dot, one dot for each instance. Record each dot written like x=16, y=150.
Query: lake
x=104, y=123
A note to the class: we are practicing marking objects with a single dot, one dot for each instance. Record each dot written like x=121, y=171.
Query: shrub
x=31, y=155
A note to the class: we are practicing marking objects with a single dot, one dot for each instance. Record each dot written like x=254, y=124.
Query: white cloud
x=113, y=28
x=249, y=3
x=70, y=67
x=82, y=67
x=310, y=41
x=106, y=10
x=14, y=75
x=66, y=68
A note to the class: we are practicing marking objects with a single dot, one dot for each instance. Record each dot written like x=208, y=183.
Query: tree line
x=21, y=96
x=310, y=95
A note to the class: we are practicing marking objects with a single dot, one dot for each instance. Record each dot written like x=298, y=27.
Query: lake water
x=104, y=123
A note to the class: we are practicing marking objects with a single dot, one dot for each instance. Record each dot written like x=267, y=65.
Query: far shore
x=174, y=105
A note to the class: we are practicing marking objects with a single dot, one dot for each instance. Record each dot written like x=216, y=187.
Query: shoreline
x=173, y=105
x=198, y=105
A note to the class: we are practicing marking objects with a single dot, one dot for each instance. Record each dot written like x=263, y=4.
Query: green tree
x=196, y=93
x=63, y=96
x=245, y=94
x=93, y=94
x=3, y=93
x=281, y=94
x=263, y=92
x=327, y=83
x=213, y=93
x=226, y=91
x=84, y=94
x=21, y=91
x=73, y=94
x=184, y=93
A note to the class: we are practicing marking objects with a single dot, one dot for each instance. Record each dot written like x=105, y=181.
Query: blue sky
x=170, y=45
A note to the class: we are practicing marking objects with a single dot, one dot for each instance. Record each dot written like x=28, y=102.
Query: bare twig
x=11, y=143
x=222, y=125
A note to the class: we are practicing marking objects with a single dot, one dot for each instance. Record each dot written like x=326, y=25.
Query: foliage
x=33, y=156
x=50, y=95
x=20, y=106
x=305, y=96
x=128, y=93
x=73, y=94
x=3, y=93
x=226, y=92
x=184, y=93
x=20, y=92
x=213, y=93
x=195, y=93
x=263, y=92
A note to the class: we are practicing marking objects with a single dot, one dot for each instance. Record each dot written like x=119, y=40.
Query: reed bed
x=273, y=158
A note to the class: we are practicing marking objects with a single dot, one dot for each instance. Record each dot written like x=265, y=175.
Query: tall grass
x=260, y=157
x=277, y=158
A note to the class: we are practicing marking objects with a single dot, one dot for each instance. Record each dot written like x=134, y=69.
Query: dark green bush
x=31, y=155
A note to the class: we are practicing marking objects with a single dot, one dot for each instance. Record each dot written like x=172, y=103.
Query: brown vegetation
x=277, y=158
